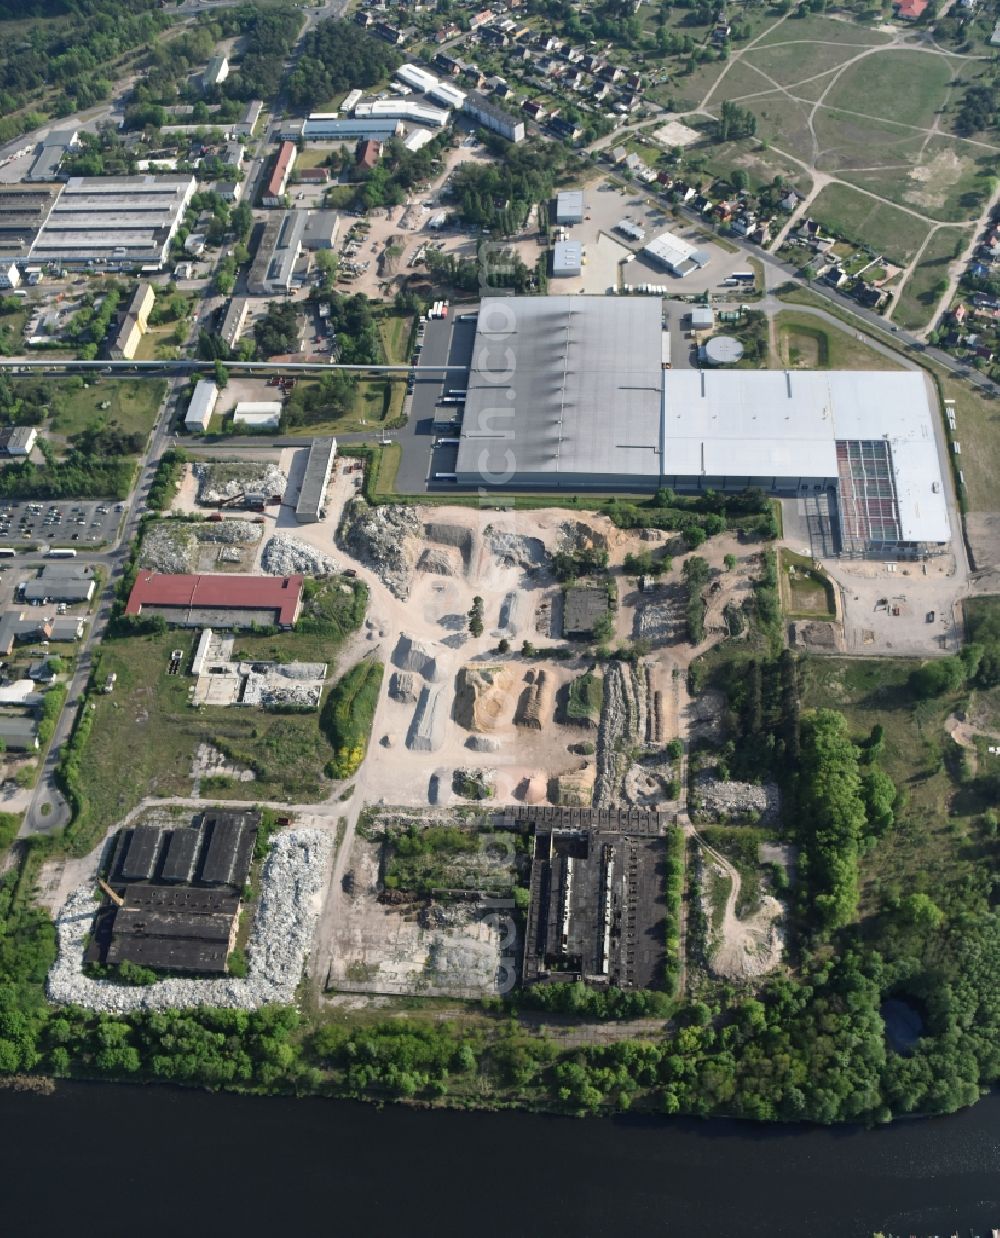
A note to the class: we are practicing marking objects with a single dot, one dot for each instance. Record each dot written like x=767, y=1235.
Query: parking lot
x=69, y=522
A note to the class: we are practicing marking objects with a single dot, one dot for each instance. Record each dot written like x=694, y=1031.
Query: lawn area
x=158, y=344
x=901, y=85
x=688, y=90
x=885, y=150
x=805, y=592
x=858, y=218
x=806, y=342
x=369, y=407
x=133, y=404
x=148, y=728
x=926, y=285
x=978, y=421
x=12, y=329
x=311, y=156
x=947, y=179
x=807, y=31
x=793, y=61
x=937, y=838
x=761, y=164
x=395, y=332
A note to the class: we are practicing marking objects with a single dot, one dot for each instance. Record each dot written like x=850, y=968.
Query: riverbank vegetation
x=896, y=838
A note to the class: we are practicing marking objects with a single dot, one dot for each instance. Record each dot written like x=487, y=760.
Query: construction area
x=221, y=679
x=419, y=907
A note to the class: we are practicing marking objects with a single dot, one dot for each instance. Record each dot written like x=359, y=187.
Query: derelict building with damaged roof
x=178, y=894
x=572, y=394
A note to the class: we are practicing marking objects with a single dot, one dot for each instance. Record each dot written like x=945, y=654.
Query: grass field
x=12, y=330
x=760, y=163
x=937, y=836
x=805, y=592
x=158, y=344
x=899, y=85
x=807, y=31
x=149, y=729
x=864, y=221
x=395, y=332
x=133, y=405
x=369, y=406
x=806, y=342
x=978, y=420
x=921, y=292
x=310, y=157
x=799, y=65
x=941, y=178
x=873, y=127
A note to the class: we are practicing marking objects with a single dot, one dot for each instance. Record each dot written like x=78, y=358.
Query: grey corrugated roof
x=582, y=398
x=317, y=473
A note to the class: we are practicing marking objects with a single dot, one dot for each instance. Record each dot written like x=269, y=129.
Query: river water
x=143, y=1162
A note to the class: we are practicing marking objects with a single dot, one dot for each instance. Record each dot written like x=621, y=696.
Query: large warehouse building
x=114, y=221
x=188, y=601
x=570, y=393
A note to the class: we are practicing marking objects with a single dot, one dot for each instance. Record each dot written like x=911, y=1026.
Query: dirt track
x=750, y=947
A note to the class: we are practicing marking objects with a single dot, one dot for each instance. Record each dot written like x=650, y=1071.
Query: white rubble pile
x=217, y=483
x=285, y=555
x=169, y=546
x=515, y=550
x=228, y=532
x=291, y=887
x=385, y=539
x=172, y=545
x=737, y=799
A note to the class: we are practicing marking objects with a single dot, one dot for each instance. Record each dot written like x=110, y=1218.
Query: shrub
x=347, y=717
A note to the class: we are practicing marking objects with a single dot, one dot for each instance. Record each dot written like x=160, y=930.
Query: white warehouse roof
x=787, y=424
x=571, y=393
x=674, y=252
x=202, y=405
x=401, y=109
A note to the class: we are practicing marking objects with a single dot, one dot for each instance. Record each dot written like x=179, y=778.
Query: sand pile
x=481, y=697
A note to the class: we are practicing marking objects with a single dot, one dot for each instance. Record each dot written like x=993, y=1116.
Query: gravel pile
x=385, y=539
x=219, y=482
x=513, y=550
x=285, y=555
x=291, y=888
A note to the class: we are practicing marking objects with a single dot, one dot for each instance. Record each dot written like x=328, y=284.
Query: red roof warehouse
x=225, y=601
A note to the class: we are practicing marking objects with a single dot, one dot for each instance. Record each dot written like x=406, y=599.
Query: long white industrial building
x=441, y=92
x=571, y=393
x=114, y=221
x=402, y=109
